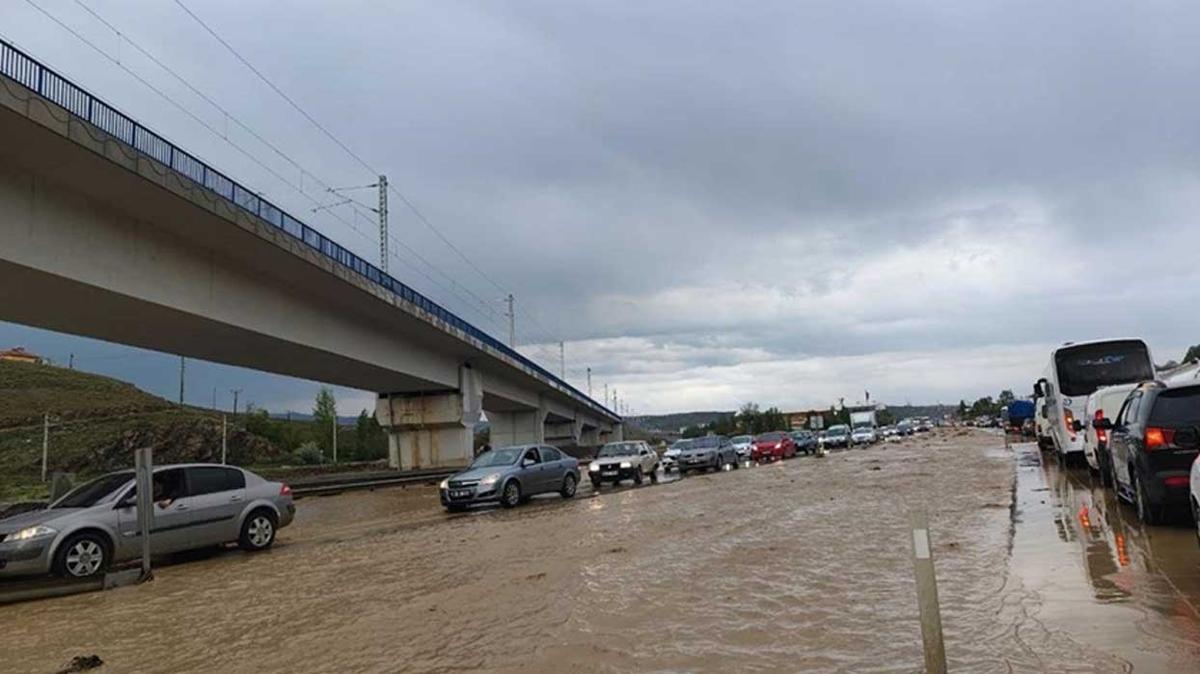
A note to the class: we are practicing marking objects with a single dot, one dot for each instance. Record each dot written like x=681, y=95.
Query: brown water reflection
x=798, y=566
x=1100, y=578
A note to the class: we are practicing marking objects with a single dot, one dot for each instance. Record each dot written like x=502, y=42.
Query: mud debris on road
x=796, y=566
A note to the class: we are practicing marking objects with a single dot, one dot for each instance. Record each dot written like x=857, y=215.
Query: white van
x=1105, y=402
x=1041, y=424
x=1075, y=371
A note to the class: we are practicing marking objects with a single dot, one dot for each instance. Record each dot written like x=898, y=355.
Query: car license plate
x=608, y=473
x=460, y=493
x=693, y=460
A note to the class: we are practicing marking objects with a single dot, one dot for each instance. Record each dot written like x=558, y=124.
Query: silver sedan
x=96, y=524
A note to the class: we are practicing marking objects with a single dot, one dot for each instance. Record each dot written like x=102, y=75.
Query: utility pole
x=562, y=360
x=214, y=403
x=45, y=442
x=235, y=392
x=182, y=368
x=383, y=225
x=512, y=322
x=606, y=395
x=71, y=362
x=335, y=436
x=589, y=375
x=382, y=212
x=224, y=439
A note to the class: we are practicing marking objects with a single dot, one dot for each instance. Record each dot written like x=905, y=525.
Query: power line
x=320, y=207
x=362, y=162
x=298, y=189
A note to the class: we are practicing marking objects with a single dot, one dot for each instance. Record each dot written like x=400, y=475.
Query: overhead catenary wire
x=284, y=180
x=349, y=152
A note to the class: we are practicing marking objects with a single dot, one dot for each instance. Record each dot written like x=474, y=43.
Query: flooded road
x=798, y=566
x=1125, y=593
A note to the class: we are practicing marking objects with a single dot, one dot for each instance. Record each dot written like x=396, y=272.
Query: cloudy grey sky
x=711, y=203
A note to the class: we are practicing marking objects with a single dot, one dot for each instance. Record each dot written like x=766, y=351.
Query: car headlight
x=626, y=464
x=779, y=445
x=32, y=532
x=490, y=479
x=444, y=484
x=594, y=467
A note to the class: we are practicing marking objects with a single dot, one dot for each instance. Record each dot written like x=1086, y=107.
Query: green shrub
x=308, y=454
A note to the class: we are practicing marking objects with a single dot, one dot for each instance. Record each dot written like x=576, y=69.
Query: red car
x=773, y=446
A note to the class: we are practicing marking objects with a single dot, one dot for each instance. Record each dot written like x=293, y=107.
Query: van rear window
x=1177, y=407
x=1083, y=369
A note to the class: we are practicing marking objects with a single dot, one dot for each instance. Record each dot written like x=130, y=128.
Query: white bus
x=1075, y=371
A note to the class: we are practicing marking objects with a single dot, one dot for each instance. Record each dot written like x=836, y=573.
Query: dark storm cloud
x=682, y=185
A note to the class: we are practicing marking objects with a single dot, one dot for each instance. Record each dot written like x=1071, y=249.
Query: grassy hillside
x=97, y=422
x=29, y=391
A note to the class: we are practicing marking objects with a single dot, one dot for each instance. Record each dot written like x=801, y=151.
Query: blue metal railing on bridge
x=21, y=67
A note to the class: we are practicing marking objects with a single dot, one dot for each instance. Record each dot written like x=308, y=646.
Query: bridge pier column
x=517, y=428
x=432, y=430
x=589, y=437
x=614, y=434
x=564, y=433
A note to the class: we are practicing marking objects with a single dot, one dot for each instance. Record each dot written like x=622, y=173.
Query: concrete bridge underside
x=99, y=240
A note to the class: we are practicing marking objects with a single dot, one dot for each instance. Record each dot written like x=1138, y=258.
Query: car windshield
x=680, y=445
x=100, y=490
x=618, y=449
x=838, y=430
x=705, y=443
x=773, y=436
x=742, y=439
x=498, y=457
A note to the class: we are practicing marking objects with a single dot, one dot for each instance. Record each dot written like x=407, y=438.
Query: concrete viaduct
x=109, y=231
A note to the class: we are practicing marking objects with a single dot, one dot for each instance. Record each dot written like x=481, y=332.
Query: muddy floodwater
x=803, y=566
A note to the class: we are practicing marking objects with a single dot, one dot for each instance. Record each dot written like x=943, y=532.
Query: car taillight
x=1101, y=434
x=1069, y=418
x=285, y=490
x=1157, y=438
x=1176, y=481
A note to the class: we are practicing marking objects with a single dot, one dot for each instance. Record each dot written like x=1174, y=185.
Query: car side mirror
x=1077, y=425
x=525, y=463
x=127, y=502
x=1103, y=424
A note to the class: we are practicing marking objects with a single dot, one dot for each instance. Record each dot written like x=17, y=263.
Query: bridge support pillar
x=432, y=430
x=614, y=434
x=589, y=437
x=517, y=428
x=565, y=434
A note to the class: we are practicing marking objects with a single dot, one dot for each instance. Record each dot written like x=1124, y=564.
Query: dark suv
x=1153, y=442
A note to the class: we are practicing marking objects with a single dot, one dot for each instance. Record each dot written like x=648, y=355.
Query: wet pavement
x=798, y=566
x=1088, y=572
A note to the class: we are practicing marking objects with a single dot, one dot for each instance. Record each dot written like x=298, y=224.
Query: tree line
x=311, y=442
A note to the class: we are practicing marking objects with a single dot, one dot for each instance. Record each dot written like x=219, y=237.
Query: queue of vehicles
x=1103, y=404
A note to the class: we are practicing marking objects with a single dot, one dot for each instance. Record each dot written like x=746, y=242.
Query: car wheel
x=1147, y=512
x=639, y=476
x=682, y=471
x=568, y=486
x=511, y=496
x=595, y=484
x=654, y=474
x=83, y=555
x=258, y=531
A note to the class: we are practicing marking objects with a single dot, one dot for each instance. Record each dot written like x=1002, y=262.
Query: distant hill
x=933, y=411
x=674, y=422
